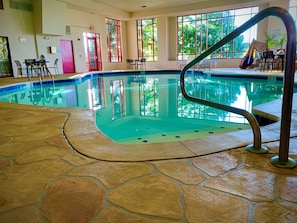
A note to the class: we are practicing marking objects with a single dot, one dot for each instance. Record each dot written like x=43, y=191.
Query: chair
x=258, y=62
x=131, y=63
x=280, y=59
x=142, y=63
x=20, y=68
x=268, y=60
x=31, y=68
x=55, y=67
x=204, y=64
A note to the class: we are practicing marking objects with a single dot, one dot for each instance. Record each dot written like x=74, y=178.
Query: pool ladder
x=282, y=160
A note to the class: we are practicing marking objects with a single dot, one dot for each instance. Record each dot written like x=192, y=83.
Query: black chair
x=131, y=63
x=31, y=69
x=142, y=63
x=259, y=60
x=55, y=67
x=19, y=67
x=268, y=60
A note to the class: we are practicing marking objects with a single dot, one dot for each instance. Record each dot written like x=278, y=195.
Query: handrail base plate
x=261, y=150
x=291, y=163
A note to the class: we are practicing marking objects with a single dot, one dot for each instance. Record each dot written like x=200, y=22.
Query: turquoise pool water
x=149, y=107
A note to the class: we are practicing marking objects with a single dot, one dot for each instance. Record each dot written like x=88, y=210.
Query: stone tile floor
x=46, y=178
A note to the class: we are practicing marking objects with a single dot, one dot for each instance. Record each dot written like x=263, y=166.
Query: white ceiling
x=137, y=5
x=134, y=9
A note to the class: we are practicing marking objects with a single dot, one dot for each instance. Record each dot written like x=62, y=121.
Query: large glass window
x=147, y=39
x=114, y=40
x=196, y=33
x=293, y=9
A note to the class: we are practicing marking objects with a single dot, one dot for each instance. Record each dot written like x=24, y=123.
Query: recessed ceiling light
x=143, y=6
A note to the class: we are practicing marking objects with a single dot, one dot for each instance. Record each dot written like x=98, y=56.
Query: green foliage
x=196, y=36
x=148, y=39
x=272, y=40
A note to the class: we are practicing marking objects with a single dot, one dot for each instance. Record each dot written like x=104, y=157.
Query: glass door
x=93, y=51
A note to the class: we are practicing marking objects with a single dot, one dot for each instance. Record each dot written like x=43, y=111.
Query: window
x=147, y=39
x=1, y=4
x=96, y=94
x=5, y=59
x=117, y=99
x=149, y=98
x=114, y=40
x=293, y=9
x=196, y=33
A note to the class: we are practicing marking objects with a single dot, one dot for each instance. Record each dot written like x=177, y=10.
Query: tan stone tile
x=14, y=116
x=25, y=117
x=78, y=125
x=21, y=130
x=40, y=153
x=56, y=119
x=2, y=200
x=262, y=162
x=181, y=170
x=152, y=195
x=5, y=139
x=40, y=133
x=216, y=164
x=112, y=174
x=288, y=188
x=3, y=128
x=4, y=163
x=112, y=215
x=204, y=205
x=21, y=185
x=274, y=146
x=98, y=146
x=58, y=141
x=220, y=142
x=72, y=200
x=15, y=148
x=25, y=215
x=275, y=213
x=255, y=185
x=77, y=159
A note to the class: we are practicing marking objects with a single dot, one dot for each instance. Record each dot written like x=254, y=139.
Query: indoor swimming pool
x=148, y=107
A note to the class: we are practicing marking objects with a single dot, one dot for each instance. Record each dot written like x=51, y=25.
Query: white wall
x=14, y=24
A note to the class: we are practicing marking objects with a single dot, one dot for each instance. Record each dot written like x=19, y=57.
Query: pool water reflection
x=151, y=108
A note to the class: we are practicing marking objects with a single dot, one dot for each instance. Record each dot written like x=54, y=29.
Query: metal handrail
x=282, y=160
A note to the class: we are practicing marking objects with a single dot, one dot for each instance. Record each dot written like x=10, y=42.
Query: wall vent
x=20, y=5
x=68, y=30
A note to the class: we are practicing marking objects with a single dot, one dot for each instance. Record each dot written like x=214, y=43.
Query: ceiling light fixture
x=143, y=6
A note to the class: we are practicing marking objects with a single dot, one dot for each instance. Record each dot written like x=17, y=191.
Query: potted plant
x=278, y=44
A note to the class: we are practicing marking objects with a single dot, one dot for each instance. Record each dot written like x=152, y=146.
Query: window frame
x=202, y=20
x=141, y=44
x=115, y=54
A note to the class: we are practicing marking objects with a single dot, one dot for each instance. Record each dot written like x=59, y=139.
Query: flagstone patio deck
x=56, y=167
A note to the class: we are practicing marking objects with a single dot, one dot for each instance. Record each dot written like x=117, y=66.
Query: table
x=38, y=66
x=282, y=58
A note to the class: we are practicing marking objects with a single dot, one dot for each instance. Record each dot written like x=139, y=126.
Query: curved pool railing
x=282, y=160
